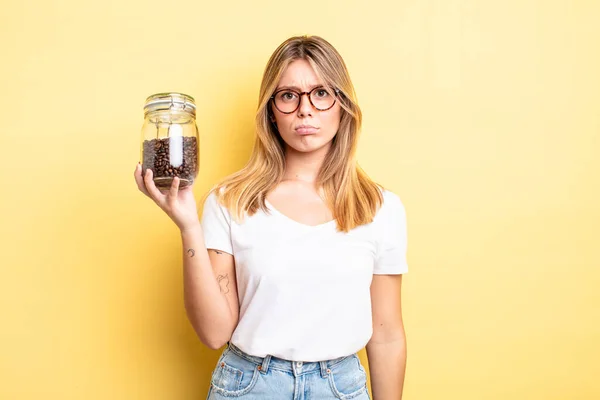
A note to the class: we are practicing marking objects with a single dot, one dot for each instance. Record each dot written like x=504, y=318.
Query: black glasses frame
x=300, y=94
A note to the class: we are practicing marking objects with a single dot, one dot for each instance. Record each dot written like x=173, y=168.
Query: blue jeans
x=239, y=374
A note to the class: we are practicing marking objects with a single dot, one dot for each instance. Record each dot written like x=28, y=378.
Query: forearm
x=206, y=307
x=387, y=366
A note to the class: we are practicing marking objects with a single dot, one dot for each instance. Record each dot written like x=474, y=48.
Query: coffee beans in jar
x=170, y=139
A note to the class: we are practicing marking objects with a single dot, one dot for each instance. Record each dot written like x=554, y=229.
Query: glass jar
x=170, y=139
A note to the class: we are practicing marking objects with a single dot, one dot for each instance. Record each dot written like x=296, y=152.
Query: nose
x=305, y=107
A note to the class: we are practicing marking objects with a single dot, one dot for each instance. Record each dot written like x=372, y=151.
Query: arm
x=386, y=351
x=209, y=284
x=210, y=289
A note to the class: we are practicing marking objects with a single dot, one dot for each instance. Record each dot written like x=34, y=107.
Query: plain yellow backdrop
x=483, y=116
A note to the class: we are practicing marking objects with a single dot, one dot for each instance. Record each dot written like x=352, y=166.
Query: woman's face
x=300, y=77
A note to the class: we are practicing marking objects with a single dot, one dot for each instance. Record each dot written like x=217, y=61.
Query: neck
x=303, y=167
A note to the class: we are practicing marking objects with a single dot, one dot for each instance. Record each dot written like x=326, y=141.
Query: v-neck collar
x=306, y=226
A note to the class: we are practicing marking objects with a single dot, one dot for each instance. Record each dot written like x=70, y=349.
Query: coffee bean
x=156, y=157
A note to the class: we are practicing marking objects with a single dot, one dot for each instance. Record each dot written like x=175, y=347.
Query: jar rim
x=174, y=95
x=170, y=100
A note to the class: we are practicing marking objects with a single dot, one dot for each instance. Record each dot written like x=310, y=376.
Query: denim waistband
x=270, y=361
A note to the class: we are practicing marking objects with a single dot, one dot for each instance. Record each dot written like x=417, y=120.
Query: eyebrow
x=297, y=88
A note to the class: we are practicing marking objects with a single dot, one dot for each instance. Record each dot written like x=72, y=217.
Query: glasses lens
x=321, y=98
x=287, y=100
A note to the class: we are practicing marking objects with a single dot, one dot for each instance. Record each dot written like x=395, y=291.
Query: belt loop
x=264, y=368
x=323, y=368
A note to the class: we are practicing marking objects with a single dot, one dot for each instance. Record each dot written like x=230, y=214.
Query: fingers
x=146, y=185
x=153, y=191
x=139, y=180
x=174, y=187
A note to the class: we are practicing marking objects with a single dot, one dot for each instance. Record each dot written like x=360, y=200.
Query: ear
x=272, y=118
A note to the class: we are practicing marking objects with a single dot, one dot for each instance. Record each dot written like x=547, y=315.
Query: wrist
x=194, y=228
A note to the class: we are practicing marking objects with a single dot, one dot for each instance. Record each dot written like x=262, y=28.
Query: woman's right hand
x=180, y=205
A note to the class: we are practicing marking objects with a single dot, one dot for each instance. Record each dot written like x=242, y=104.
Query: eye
x=322, y=93
x=287, y=96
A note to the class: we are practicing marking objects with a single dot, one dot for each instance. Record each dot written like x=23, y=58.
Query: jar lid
x=170, y=101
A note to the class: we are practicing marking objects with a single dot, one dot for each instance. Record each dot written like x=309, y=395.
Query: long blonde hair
x=351, y=195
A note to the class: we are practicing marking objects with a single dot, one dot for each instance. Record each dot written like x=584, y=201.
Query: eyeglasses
x=287, y=100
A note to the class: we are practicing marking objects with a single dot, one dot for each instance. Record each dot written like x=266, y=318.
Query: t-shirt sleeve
x=392, y=238
x=216, y=225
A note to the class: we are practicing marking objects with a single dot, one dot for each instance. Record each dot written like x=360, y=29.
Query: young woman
x=296, y=263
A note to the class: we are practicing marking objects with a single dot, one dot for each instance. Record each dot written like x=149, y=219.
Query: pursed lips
x=306, y=129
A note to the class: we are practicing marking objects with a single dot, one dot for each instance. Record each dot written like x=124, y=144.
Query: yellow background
x=484, y=116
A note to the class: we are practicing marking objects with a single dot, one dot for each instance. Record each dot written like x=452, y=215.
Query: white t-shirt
x=304, y=291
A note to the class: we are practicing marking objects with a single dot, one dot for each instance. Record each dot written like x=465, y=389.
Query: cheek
x=333, y=120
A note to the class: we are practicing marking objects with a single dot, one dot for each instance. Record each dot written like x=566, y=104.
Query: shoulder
x=392, y=203
x=214, y=199
x=391, y=213
x=215, y=193
x=211, y=197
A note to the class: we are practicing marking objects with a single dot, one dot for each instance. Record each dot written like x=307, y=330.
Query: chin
x=307, y=146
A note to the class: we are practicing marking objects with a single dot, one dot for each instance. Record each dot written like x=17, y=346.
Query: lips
x=306, y=129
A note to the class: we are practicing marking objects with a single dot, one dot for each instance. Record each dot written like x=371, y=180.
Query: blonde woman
x=297, y=260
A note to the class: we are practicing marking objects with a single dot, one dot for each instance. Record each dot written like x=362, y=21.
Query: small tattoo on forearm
x=192, y=251
x=223, y=283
